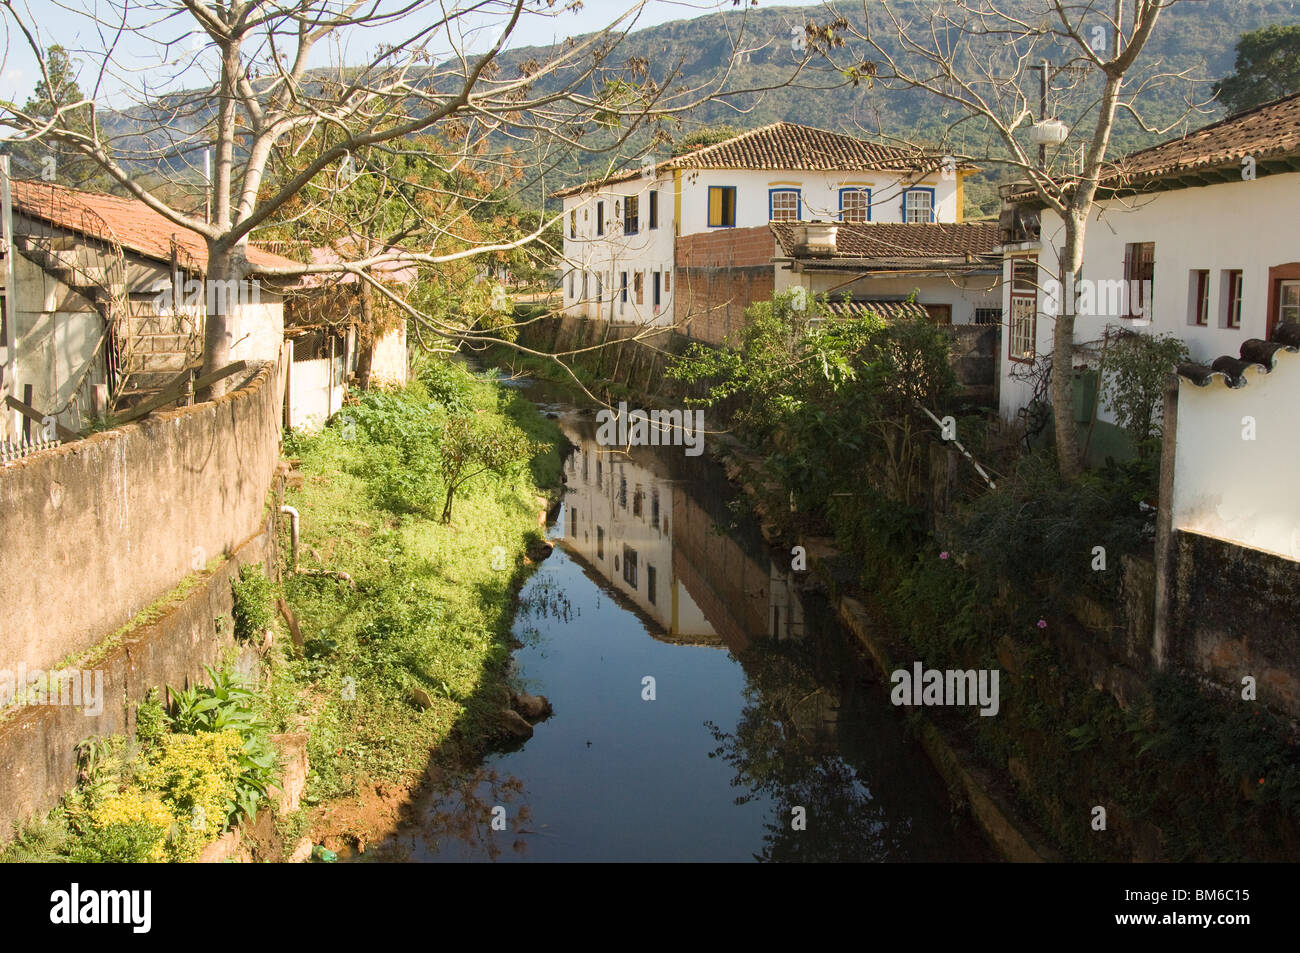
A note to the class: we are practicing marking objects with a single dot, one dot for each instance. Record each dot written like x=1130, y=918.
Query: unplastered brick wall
x=96, y=530
x=718, y=275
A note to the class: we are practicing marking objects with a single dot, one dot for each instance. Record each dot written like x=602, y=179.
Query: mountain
x=749, y=47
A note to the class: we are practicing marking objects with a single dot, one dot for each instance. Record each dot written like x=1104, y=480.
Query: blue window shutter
x=902, y=209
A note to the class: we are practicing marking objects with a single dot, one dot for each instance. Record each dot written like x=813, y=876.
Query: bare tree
x=982, y=56
x=326, y=82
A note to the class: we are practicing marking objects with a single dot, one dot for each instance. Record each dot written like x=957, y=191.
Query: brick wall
x=718, y=275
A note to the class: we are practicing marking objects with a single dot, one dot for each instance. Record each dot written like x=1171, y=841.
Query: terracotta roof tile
x=781, y=146
x=1266, y=131
x=889, y=310
x=128, y=221
x=1254, y=353
x=893, y=241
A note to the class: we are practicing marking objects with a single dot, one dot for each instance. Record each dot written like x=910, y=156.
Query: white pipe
x=293, y=529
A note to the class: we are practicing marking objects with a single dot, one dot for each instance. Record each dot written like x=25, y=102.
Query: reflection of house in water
x=619, y=520
x=656, y=544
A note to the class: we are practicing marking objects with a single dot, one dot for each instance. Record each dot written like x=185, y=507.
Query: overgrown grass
x=428, y=616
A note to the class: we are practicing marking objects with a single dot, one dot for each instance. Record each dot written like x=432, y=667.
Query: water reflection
x=763, y=707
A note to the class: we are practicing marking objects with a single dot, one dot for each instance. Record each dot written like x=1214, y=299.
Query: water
x=765, y=738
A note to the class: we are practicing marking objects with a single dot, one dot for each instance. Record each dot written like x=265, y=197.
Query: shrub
x=126, y=827
x=197, y=776
x=252, y=599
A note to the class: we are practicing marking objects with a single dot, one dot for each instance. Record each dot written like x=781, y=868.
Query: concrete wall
x=1233, y=614
x=1228, y=483
x=1232, y=225
x=96, y=530
x=38, y=743
x=390, y=366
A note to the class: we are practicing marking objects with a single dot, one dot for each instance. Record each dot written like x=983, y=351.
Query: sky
x=65, y=22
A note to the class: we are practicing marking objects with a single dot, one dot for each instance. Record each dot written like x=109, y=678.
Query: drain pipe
x=293, y=529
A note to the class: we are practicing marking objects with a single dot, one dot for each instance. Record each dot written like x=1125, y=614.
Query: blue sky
x=64, y=22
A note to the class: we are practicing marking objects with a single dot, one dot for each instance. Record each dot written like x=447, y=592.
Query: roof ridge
x=1217, y=124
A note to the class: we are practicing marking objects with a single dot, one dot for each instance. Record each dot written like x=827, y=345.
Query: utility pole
x=9, y=302
x=1044, y=72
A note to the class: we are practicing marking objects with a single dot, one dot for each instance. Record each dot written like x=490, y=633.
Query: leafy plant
x=252, y=602
x=1135, y=369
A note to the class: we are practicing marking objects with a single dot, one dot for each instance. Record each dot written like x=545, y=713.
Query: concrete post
x=1165, y=556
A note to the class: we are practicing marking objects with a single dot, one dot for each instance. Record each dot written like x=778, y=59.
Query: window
x=600, y=542
x=638, y=286
x=631, y=224
x=855, y=205
x=1232, y=285
x=655, y=290
x=584, y=286
x=570, y=284
x=918, y=206
x=573, y=223
x=1139, y=277
x=988, y=315
x=654, y=208
x=573, y=521
x=783, y=205
x=654, y=506
x=600, y=473
x=629, y=565
x=651, y=577
x=1288, y=302
x=622, y=492
x=1024, y=309
x=622, y=287
x=1201, y=297
x=668, y=282
x=600, y=218
x=722, y=206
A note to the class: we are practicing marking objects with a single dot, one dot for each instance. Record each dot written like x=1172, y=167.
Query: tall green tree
x=1267, y=68
x=59, y=98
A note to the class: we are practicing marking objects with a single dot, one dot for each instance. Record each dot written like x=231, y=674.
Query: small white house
x=1194, y=237
x=627, y=236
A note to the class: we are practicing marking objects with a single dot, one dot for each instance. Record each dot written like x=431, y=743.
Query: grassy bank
x=404, y=620
x=410, y=655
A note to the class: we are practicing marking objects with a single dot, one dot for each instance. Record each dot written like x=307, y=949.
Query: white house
x=636, y=242
x=102, y=302
x=1194, y=237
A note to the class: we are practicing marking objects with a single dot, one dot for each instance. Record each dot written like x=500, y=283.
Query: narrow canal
x=705, y=709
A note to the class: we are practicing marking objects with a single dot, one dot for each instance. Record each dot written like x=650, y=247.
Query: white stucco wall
x=1232, y=487
x=649, y=251
x=389, y=363
x=819, y=195
x=1246, y=226
x=312, y=400
x=963, y=295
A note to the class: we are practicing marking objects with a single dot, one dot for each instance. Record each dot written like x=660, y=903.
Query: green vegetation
x=413, y=652
x=1000, y=579
x=252, y=600
x=186, y=777
x=1267, y=68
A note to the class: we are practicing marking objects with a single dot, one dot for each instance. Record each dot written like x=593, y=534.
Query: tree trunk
x=365, y=336
x=1068, y=452
x=217, y=325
